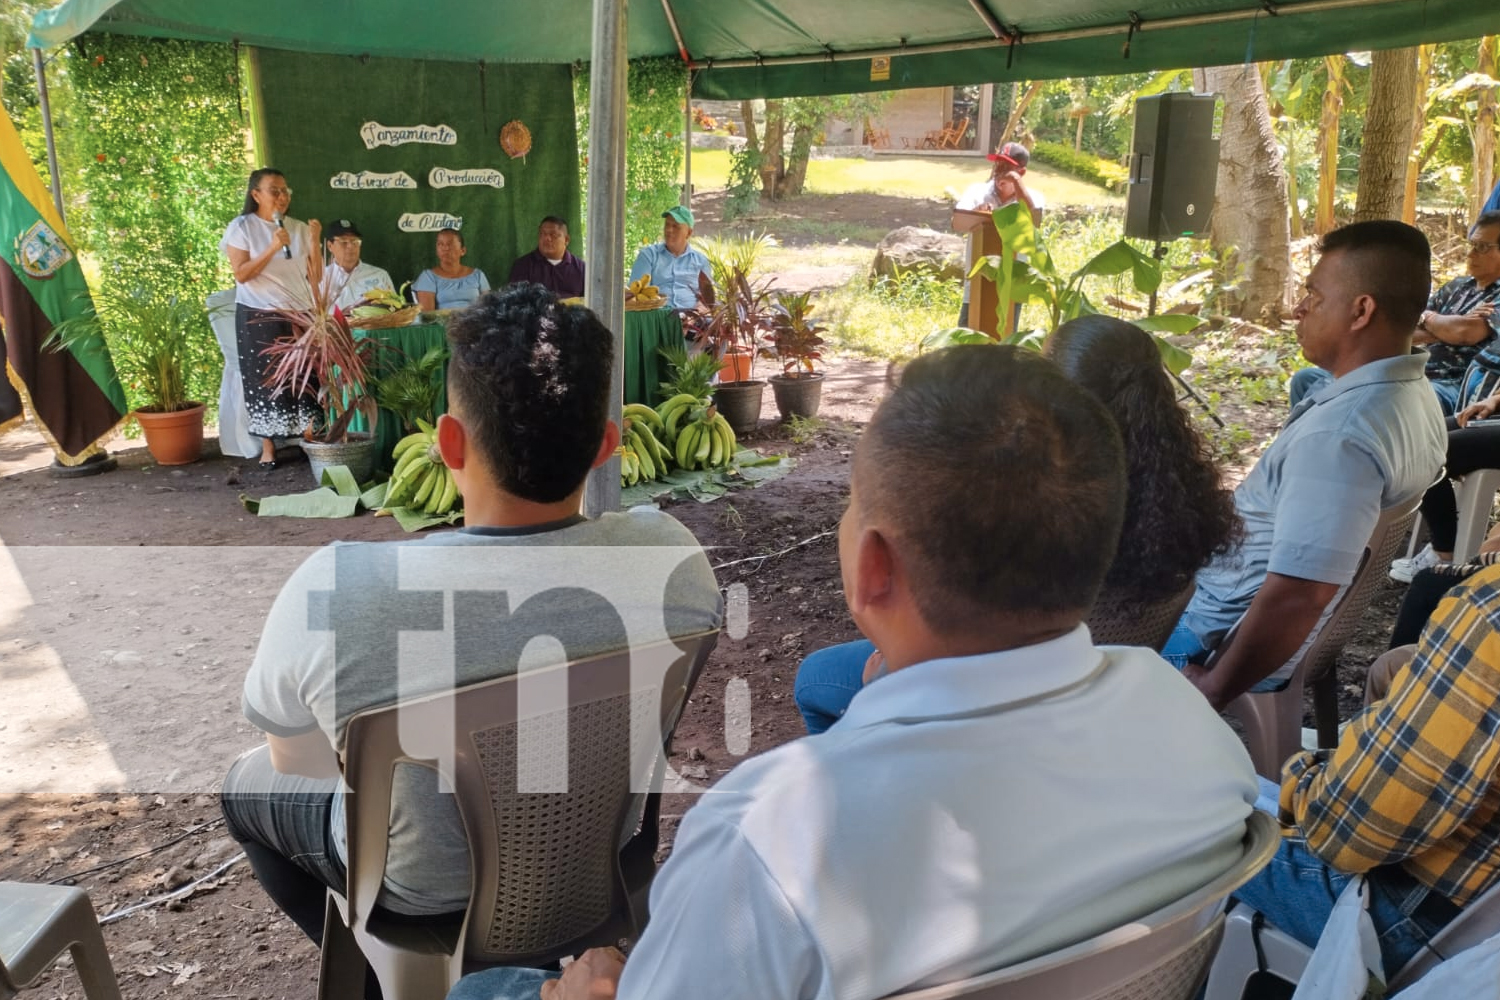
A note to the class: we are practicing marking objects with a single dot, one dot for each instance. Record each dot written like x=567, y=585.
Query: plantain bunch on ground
x=643, y=457
x=698, y=435
x=420, y=480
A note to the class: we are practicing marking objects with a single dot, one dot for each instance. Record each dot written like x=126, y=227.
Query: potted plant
x=151, y=336
x=794, y=340
x=322, y=358
x=731, y=318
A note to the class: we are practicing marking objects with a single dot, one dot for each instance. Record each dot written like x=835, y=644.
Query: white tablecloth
x=234, y=436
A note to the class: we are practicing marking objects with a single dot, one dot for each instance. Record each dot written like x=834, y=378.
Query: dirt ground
x=130, y=605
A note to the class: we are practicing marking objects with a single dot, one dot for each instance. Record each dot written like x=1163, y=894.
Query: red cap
x=1012, y=153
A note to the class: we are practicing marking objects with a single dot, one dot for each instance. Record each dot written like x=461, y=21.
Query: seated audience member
x=1367, y=441
x=550, y=264
x=528, y=391
x=1473, y=444
x=346, y=274
x=891, y=852
x=1177, y=515
x=1410, y=798
x=674, y=266
x=452, y=284
x=1458, y=324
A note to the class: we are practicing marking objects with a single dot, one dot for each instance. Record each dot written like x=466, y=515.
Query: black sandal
x=268, y=466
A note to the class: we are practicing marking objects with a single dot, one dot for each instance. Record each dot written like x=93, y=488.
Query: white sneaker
x=1402, y=570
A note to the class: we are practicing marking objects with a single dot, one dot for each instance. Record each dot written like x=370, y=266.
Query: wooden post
x=606, y=214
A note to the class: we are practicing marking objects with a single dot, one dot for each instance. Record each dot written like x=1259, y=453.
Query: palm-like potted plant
x=151, y=335
x=731, y=317
x=321, y=358
x=794, y=340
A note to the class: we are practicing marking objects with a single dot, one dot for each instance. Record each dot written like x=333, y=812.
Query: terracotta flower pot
x=174, y=438
x=736, y=366
x=798, y=395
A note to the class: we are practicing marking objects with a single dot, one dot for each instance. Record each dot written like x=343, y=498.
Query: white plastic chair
x=1162, y=956
x=234, y=421
x=40, y=922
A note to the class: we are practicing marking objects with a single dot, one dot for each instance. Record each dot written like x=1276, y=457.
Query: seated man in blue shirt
x=1458, y=325
x=673, y=265
x=1370, y=439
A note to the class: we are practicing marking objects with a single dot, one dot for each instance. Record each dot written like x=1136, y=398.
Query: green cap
x=681, y=213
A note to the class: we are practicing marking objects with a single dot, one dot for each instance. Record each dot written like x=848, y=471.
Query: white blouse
x=282, y=283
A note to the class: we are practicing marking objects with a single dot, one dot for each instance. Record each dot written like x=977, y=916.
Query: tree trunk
x=1250, y=224
x=1386, y=145
x=1484, y=130
x=1414, y=160
x=1017, y=111
x=1078, y=136
x=747, y=112
x=773, y=142
x=1328, y=144
x=794, y=176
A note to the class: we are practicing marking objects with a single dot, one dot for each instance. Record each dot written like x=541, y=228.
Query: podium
x=984, y=297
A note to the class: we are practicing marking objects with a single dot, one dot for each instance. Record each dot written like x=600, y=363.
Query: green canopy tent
x=774, y=48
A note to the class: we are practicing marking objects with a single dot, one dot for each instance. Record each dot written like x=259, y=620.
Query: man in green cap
x=673, y=265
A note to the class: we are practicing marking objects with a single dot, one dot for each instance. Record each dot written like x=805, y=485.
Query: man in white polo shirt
x=1000, y=787
x=347, y=277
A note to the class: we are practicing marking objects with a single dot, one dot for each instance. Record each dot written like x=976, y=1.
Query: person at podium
x=1002, y=187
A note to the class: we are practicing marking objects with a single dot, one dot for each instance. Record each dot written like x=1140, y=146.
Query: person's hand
x=594, y=975
x=1481, y=410
x=874, y=666
x=1203, y=679
x=315, y=232
x=1483, y=311
x=280, y=239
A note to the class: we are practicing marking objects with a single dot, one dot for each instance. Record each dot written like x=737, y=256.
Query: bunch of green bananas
x=420, y=480
x=378, y=302
x=642, y=455
x=696, y=433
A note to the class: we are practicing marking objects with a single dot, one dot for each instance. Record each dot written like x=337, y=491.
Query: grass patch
x=909, y=177
x=889, y=319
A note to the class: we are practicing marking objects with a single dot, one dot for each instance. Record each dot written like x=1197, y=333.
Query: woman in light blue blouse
x=450, y=285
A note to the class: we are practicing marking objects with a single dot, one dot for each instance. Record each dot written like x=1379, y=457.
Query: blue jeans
x=827, y=682
x=501, y=984
x=1296, y=891
x=1183, y=648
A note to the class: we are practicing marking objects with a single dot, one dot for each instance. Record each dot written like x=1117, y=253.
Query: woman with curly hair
x=1177, y=515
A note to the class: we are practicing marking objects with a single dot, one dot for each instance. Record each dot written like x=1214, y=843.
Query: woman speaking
x=276, y=263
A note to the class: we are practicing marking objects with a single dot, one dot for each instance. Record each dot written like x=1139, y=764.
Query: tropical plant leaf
x=939, y=339
x=1170, y=323
x=1174, y=357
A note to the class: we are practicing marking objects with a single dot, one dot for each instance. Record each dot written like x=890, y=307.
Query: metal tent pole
x=687, y=142
x=606, y=219
x=41, y=93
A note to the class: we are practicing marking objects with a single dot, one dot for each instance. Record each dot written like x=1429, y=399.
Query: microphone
x=286, y=249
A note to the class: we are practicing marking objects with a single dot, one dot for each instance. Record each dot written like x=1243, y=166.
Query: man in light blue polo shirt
x=1367, y=441
x=673, y=265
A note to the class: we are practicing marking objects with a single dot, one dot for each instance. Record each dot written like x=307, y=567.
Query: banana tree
x=1025, y=272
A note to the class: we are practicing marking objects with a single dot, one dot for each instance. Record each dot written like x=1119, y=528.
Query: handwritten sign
x=428, y=222
x=375, y=134
x=367, y=180
x=442, y=177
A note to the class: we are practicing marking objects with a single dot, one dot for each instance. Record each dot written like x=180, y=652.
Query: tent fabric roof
x=778, y=48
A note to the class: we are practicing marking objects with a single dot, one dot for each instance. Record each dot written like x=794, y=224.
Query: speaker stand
x=1159, y=253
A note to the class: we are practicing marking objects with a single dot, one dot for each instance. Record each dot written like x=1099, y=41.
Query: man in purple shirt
x=550, y=265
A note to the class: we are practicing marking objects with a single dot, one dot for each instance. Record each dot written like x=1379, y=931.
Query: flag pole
x=46, y=105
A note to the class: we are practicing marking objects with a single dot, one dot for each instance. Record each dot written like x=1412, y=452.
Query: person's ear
x=874, y=572
x=607, y=444
x=1361, y=312
x=452, y=441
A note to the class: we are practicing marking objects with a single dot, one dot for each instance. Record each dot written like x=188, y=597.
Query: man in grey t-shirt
x=1365, y=442
x=362, y=626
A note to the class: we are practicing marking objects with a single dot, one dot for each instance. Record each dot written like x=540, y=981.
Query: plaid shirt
x=1446, y=362
x=1416, y=778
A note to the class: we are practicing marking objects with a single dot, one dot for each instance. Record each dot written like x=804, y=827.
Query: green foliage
x=150, y=333
x=687, y=373
x=162, y=171
x=794, y=336
x=802, y=429
x=869, y=320
x=656, y=94
x=742, y=194
x=919, y=288
x=412, y=390
x=1105, y=173
x=732, y=251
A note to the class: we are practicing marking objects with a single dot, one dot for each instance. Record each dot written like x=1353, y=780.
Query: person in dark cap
x=347, y=279
x=1002, y=187
x=550, y=264
x=673, y=265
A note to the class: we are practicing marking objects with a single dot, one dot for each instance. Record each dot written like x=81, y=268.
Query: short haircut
x=556, y=220
x=1003, y=482
x=1490, y=218
x=530, y=379
x=1391, y=262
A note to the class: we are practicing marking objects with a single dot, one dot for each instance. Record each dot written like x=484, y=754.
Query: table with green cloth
x=645, y=333
x=402, y=344
x=645, y=368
